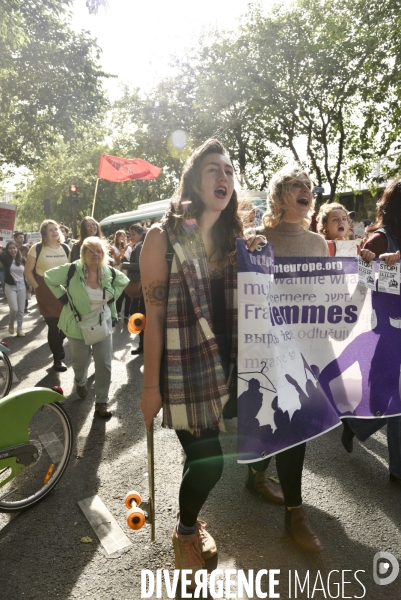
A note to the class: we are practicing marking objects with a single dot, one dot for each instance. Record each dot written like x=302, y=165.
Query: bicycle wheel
x=50, y=431
x=6, y=375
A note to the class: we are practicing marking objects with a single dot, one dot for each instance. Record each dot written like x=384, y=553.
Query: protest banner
x=7, y=221
x=33, y=237
x=314, y=346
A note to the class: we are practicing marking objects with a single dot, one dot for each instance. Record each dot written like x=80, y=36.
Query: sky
x=138, y=38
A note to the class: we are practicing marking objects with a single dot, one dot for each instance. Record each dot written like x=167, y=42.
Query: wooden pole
x=74, y=220
x=94, y=198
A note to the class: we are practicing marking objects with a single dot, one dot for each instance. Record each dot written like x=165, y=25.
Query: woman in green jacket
x=83, y=287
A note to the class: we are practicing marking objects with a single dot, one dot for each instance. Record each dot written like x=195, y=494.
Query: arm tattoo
x=156, y=293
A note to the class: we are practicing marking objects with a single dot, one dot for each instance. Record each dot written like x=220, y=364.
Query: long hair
x=117, y=235
x=84, y=234
x=43, y=231
x=18, y=256
x=324, y=213
x=279, y=186
x=187, y=204
x=388, y=211
x=138, y=228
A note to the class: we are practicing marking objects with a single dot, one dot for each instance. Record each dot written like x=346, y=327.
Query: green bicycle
x=35, y=446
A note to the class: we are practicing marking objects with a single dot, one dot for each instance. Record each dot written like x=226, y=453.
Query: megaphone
x=136, y=323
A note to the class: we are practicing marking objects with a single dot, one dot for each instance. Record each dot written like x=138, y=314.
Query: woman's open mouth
x=220, y=192
x=303, y=202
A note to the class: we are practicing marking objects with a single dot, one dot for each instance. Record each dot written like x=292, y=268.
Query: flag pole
x=94, y=197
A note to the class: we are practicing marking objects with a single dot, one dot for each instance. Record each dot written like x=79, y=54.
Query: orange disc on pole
x=136, y=323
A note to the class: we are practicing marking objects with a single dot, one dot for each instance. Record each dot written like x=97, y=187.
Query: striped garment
x=195, y=389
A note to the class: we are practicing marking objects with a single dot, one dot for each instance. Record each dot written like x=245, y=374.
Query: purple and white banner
x=313, y=346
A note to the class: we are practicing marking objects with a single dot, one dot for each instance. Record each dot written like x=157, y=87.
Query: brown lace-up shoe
x=206, y=542
x=257, y=483
x=187, y=554
x=301, y=532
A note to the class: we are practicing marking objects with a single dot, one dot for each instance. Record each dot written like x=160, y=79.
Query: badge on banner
x=389, y=278
x=366, y=273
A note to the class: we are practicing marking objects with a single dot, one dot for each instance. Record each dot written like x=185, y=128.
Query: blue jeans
x=16, y=296
x=364, y=428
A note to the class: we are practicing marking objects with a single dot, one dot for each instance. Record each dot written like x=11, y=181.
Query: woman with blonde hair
x=333, y=221
x=285, y=225
x=45, y=255
x=89, y=286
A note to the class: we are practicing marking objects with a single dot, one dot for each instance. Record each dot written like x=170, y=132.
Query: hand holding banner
x=313, y=347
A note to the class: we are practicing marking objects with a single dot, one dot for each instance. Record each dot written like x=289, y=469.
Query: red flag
x=114, y=168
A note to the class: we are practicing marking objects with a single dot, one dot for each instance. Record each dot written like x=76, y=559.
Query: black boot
x=347, y=437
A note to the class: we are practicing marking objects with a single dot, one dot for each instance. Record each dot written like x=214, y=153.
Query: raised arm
x=154, y=277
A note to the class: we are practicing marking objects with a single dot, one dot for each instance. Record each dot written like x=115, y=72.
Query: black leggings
x=289, y=469
x=127, y=305
x=55, y=338
x=203, y=469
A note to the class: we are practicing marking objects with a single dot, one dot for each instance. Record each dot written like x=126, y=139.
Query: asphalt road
x=348, y=498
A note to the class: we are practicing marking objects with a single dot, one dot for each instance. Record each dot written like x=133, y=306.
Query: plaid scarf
x=195, y=389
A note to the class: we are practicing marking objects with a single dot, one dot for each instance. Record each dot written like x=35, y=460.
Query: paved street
x=347, y=497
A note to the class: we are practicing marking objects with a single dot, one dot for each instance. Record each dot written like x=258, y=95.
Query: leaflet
x=389, y=278
x=366, y=273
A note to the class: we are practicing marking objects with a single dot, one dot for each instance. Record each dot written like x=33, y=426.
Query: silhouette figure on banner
x=314, y=416
x=378, y=354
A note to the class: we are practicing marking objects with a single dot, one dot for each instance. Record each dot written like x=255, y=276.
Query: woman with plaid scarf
x=189, y=283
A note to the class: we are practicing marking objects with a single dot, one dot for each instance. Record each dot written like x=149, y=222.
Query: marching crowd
x=182, y=273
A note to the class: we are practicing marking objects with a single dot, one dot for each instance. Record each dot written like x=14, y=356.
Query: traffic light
x=74, y=193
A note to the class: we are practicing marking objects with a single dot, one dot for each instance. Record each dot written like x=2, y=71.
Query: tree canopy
x=50, y=79
x=318, y=81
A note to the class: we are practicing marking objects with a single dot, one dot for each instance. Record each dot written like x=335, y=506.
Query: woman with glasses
x=285, y=225
x=85, y=287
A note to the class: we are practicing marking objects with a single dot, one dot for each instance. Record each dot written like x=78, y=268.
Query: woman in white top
x=118, y=248
x=49, y=253
x=15, y=288
x=83, y=287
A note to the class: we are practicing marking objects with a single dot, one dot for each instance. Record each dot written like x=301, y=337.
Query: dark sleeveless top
x=218, y=307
